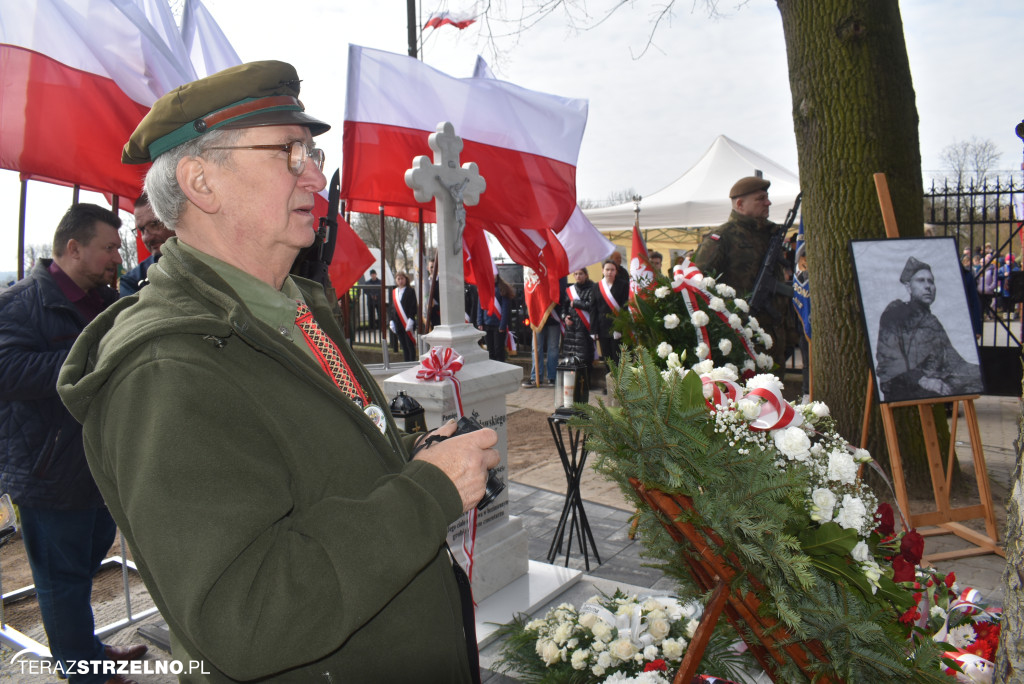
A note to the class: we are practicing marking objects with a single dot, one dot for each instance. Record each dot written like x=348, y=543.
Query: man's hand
x=935, y=385
x=465, y=460
x=409, y=324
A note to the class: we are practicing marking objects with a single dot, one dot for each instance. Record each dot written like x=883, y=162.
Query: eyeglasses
x=297, y=154
x=152, y=226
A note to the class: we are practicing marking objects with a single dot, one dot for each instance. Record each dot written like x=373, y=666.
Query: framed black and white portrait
x=915, y=314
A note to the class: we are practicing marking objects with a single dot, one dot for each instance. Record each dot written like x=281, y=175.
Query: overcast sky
x=651, y=117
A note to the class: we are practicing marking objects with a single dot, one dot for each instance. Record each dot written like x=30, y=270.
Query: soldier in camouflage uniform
x=733, y=254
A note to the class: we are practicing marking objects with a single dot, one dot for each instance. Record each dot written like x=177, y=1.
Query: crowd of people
x=992, y=274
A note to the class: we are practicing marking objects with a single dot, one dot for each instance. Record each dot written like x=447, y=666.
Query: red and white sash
x=584, y=315
x=397, y=303
x=609, y=298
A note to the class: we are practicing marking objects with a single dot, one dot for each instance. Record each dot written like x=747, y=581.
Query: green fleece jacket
x=281, y=535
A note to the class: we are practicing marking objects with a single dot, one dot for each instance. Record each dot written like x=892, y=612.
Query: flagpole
x=21, y=228
x=411, y=25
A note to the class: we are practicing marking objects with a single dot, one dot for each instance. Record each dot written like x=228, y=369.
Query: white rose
x=548, y=651
x=587, y=620
x=861, y=455
x=861, y=552
x=625, y=608
x=742, y=305
x=734, y=322
x=664, y=349
x=580, y=658
x=659, y=629
x=824, y=501
x=691, y=629
x=725, y=346
x=672, y=648
x=819, y=409
x=674, y=361
x=852, y=513
x=650, y=605
x=793, y=443
x=662, y=292
x=841, y=467
x=703, y=351
x=716, y=304
x=671, y=321
x=699, y=319
x=623, y=649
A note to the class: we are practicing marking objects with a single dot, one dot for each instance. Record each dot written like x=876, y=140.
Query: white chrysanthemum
x=823, y=504
x=722, y=374
x=961, y=636
x=703, y=367
x=725, y=290
x=793, y=443
x=861, y=552
x=671, y=321
x=852, y=513
x=699, y=319
x=765, y=380
x=673, y=360
x=841, y=466
x=662, y=292
x=725, y=346
x=716, y=304
x=742, y=305
x=764, y=361
x=664, y=349
x=703, y=351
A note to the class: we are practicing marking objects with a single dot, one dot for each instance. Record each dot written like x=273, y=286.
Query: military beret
x=913, y=266
x=745, y=186
x=253, y=94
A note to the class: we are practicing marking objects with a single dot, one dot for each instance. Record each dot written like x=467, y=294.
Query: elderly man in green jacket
x=271, y=503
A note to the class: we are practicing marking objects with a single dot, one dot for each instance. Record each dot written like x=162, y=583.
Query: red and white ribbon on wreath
x=688, y=281
x=721, y=390
x=440, y=364
x=776, y=413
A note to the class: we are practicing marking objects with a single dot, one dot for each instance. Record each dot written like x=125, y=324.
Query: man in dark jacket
x=276, y=514
x=66, y=527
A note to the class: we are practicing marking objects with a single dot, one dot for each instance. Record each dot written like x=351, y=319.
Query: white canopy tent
x=700, y=197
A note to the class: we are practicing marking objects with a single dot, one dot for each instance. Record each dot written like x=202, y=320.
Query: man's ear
x=191, y=176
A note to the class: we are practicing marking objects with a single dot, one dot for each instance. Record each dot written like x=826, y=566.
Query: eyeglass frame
x=308, y=153
x=153, y=226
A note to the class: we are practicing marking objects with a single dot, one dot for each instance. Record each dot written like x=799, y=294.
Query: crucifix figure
x=452, y=187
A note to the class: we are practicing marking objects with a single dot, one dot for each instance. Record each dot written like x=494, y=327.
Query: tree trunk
x=1010, y=658
x=854, y=115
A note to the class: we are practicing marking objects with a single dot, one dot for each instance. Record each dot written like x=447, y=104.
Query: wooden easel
x=944, y=519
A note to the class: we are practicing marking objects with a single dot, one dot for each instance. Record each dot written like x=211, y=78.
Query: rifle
x=766, y=284
x=314, y=261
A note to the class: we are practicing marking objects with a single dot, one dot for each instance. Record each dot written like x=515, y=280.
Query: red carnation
x=902, y=570
x=658, y=665
x=912, y=547
x=886, y=524
x=950, y=578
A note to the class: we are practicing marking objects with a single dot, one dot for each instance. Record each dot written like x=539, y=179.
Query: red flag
x=538, y=301
x=478, y=267
x=641, y=275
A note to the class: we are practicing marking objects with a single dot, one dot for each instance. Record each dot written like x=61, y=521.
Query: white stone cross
x=453, y=187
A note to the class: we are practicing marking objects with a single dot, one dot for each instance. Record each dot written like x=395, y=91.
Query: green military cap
x=913, y=266
x=253, y=94
x=745, y=186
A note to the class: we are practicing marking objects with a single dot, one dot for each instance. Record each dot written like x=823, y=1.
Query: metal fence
x=985, y=219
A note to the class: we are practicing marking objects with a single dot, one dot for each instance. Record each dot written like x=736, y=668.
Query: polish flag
x=583, y=243
x=478, y=266
x=528, y=140
x=208, y=48
x=78, y=75
x=539, y=302
x=459, y=20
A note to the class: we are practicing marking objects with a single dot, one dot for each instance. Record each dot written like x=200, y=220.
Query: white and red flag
x=459, y=20
x=583, y=243
x=528, y=140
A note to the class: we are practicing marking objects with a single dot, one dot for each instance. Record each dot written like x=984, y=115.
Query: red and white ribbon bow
x=776, y=413
x=688, y=281
x=721, y=390
x=443, y=363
